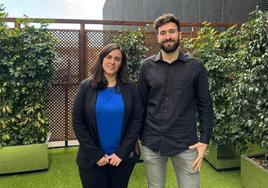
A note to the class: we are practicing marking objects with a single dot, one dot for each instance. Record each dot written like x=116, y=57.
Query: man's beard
x=170, y=49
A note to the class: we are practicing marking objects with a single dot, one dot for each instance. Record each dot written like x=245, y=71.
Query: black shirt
x=172, y=95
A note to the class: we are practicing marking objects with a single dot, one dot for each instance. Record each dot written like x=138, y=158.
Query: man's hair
x=164, y=19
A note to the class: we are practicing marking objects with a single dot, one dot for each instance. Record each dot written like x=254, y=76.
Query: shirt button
x=165, y=110
x=166, y=98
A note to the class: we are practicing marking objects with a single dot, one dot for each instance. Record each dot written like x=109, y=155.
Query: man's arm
x=204, y=105
x=205, y=115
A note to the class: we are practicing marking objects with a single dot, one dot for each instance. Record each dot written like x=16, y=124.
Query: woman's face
x=112, y=62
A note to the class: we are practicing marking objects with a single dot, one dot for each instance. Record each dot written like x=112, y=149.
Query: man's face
x=168, y=37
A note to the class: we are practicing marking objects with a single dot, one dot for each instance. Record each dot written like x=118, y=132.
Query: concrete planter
x=227, y=156
x=252, y=174
x=223, y=157
x=23, y=158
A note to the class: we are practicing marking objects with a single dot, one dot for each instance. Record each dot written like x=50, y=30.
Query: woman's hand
x=103, y=161
x=114, y=160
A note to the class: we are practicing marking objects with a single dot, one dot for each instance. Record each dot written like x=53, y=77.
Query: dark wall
x=185, y=10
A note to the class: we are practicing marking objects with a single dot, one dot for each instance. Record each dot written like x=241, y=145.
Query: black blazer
x=85, y=127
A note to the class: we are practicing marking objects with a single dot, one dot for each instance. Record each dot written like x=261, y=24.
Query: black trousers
x=106, y=176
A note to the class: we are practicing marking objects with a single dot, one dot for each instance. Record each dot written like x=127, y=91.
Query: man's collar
x=158, y=57
x=182, y=56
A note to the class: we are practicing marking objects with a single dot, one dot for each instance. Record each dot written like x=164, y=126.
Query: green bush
x=133, y=44
x=26, y=57
x=252, y=83
x=237, y=64
x=217, y=51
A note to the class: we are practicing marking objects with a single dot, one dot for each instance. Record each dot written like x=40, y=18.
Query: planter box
x=252, y=174
x=23, y=158
x=223, y=157
x=227, y=156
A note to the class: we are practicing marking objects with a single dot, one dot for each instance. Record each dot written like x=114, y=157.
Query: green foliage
x=133, y=44
x=26, y=57
x=253, y=80
x=2, y=15
x=216, y=51
x=237, y=62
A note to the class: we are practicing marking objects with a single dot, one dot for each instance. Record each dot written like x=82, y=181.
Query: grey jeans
x=155, y=168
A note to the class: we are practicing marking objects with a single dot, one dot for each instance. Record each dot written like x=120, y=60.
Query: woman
x=107, y=118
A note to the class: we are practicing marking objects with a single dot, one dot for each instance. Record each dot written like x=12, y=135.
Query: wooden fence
x=77, y=51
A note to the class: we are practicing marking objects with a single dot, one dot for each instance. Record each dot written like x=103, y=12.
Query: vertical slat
x=66, y=89
x=192, y=31
x=82, y=58
x=17, y=25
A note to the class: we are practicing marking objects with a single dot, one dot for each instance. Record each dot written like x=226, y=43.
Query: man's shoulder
x=149, y=60
x=194, y=61
x=191, y=58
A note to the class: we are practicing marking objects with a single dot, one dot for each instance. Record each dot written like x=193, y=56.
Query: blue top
x=109, y=115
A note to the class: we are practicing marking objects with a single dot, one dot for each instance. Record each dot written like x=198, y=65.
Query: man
x=174, y=88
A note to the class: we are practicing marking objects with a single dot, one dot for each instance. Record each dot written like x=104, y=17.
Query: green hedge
x=237, y=62
x=26, y=57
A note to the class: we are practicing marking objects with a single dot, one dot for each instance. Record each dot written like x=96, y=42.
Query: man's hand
x=103, y=161
x=114, y=160
x=201, y=149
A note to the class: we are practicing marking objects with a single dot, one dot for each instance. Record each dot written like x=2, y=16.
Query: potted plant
x=26, y=57
x=253, y=91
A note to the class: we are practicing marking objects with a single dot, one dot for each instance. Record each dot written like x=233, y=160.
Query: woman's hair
x=164, y=19
x=98, y=79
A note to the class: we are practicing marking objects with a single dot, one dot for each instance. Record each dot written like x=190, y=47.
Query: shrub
x=26, y=57
x=133, y=44
x=252, y=84
x=217, y=51
x=237, y=64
